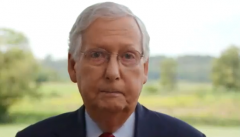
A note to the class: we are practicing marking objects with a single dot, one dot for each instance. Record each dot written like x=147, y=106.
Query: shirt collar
x=126, y=130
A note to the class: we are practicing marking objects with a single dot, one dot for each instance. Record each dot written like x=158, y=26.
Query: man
x=108, y=59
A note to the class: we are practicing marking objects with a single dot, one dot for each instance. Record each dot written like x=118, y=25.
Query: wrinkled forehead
x=115, y=33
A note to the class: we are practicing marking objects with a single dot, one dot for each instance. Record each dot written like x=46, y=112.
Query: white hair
x=105, y=9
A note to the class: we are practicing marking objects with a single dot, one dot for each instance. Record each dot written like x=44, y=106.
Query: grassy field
x=194, y=103
x=197, y=104
x=11, y=130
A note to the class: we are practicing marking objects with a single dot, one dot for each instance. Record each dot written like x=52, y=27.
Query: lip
x=111, y=92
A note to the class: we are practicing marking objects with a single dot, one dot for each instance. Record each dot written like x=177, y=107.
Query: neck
x=109, y=121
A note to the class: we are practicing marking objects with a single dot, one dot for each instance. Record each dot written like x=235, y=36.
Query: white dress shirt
x=127, y=129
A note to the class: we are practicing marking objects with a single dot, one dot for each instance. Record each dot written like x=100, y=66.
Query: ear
x=71, y=68
x=145, y=65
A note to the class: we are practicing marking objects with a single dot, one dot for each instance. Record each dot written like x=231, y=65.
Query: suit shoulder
x=48, y=126
x=173, y=125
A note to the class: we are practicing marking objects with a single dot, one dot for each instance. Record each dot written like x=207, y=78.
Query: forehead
x=113, y=33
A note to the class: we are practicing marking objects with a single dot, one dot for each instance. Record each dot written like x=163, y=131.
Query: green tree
x=226, y=69
x=168, y=73
x=47, y=75
x=12, y=39
x=17, y=70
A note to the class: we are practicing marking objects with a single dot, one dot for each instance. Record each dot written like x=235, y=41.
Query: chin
x=112, y=106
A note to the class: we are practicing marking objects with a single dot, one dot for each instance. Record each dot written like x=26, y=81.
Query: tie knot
x=106, y=135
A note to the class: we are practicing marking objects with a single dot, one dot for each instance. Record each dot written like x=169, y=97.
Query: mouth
x=111, y=92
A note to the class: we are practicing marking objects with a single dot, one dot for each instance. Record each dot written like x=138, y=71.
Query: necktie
x=106, y=135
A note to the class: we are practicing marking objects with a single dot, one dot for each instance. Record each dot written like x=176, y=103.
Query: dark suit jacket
x=147, y=124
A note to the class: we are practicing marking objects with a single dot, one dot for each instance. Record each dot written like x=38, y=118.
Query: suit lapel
x=141, y=123
x=76, y=126
x=82, y=122
x=142, y=127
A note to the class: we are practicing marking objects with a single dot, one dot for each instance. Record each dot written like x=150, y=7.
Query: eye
x=128, y=55
x=130, y=58
x=96, y=54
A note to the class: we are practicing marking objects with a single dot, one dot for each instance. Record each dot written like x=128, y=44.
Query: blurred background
x=194, y=72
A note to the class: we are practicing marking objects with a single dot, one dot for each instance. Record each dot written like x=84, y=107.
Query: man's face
x=112, y=81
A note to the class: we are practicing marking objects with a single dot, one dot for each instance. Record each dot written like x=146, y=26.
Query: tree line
x=225, y=71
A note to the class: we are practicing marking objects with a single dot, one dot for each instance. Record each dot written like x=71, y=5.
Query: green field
x=194, y=103
x=197, y=104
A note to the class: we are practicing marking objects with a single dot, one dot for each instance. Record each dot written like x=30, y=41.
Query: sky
x=176, y=27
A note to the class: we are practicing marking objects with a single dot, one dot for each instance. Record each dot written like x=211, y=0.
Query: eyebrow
x=125, y=46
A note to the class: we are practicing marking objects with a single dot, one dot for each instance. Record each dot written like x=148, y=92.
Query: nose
x=112, y=70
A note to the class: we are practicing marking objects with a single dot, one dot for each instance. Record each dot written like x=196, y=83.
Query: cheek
x=87, y=79
x=134, y=80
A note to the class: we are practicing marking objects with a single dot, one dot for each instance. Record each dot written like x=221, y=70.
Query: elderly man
x=108, y=59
